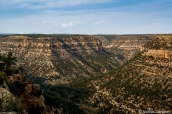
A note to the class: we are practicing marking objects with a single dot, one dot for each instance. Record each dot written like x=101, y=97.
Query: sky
x=86, y=16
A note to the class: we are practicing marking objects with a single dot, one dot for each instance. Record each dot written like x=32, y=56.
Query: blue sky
x=86, y=16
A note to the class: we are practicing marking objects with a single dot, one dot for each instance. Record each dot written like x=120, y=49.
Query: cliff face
x=48, y=57
x=160, y=47
x=127, y=45
x=159, y=53
x=61, y=60
x=141, y=84
x=18, y=93
x=21, y=95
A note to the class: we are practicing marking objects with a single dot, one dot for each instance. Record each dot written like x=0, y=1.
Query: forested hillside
x=141, y=84
x=60, y=59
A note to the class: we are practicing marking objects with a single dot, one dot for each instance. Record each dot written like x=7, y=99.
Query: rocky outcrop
x=7, y=100
x=16, y=77
x=164, y=37
x=32, y=98
x=160, y=46
x=159, y=53
x=4, y=93
x=19, y=94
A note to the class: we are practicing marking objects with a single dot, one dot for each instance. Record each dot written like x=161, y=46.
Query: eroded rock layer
x=62, y=59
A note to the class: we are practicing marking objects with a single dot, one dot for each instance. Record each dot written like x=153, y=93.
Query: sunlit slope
x=62, y=59
x=142, y=83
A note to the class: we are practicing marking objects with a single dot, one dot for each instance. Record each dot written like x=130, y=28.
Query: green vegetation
x=109, y=37
x=60, y=103
x=141, y=83
x=2, y=79
x=17, y=88
x=10, y=60
x=9, y=103
x=57, y=36
x=159, y=43
x=144, y=82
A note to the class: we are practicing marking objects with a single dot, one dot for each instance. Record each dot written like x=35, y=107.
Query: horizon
x=86, y=17
x=2, y=33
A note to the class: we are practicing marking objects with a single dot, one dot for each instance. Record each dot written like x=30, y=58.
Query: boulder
x=28, y=89
x=4, y=93
x=36, y=90
x=18, y=77
x=7, y=100
x=32, y=98
x=41, y=101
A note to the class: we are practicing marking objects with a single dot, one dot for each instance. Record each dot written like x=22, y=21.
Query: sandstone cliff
x=159, y=47
x=18, y=93
x=62, y=59
x=159, y=53
x=141, y=84
x=127, y=45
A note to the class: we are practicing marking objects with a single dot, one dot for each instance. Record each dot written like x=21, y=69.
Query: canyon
x=142, y=83
x=96, y=74
x=63, y=58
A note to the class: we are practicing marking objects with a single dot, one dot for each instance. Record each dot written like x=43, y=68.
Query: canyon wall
x=159, y=47
x=127, y=45
x=64, y=58
x=159, y=53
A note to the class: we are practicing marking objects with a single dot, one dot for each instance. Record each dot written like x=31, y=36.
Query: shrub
x=1, y=79
x=17, y=88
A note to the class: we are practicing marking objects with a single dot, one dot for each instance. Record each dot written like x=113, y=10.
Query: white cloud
x=99, y=22
x=45, y=22
x=83, y=23
x=70, y=24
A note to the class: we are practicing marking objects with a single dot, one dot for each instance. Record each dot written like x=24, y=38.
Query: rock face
x=4, y=93
x=159, y=53
x=19, y=94
x=161, y=47
x=62, y=59
x=32, y=98
x=44, y=56
x=16, y=77
x=6, y=99
x=127, y=45
x=139, y=85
